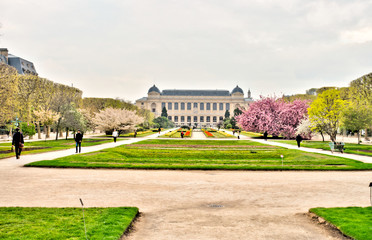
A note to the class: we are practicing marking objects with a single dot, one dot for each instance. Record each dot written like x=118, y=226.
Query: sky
x=120, y=48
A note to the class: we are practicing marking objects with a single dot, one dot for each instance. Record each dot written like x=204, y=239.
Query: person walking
x=159, y=130
x=78, y=140
x=298, y=140
x=135, y=133
x=182, y=134
x=17, y=143
x=115, y=134
x=265, y=136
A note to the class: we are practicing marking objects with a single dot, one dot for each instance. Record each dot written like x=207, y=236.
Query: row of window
x=200, y=106
x=195, y=118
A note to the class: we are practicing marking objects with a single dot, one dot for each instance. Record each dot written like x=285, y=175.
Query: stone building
x=23, y=66
x=200, y=108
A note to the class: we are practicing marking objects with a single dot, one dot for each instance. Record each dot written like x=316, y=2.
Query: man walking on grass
x=78, y=140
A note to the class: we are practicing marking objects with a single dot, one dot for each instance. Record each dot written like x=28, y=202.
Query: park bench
x=340, y=146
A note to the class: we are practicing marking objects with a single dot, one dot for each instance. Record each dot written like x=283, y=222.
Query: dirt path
x=198, y=135
x=179, y=204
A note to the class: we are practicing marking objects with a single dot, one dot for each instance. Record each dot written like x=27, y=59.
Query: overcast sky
x=120, y=48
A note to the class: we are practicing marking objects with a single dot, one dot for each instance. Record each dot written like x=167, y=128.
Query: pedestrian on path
x=298, y=140
x=115, y=134
x=78, y=140
x=135, y=133
x=182, y=134
x=18, y=142
x=159, y=130
x=265, y=136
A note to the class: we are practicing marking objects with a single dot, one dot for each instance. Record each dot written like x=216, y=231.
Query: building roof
x=23, y=66
x=154, y=89
x=237, y=89
x=176, y=92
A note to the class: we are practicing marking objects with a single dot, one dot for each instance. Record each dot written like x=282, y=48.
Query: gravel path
x=192, y=204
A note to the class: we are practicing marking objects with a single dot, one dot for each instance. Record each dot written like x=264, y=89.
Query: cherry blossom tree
x=274, y=116
x=120, y=119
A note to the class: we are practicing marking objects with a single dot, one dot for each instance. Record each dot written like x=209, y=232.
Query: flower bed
x=207, y=133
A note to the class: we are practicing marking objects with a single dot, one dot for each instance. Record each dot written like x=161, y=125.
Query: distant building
x=22, y=65
x=201, y=108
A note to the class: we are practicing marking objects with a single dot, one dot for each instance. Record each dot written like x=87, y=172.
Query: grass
x=204, y=155
x=355, y=222
x=360, y=149
x=64, y=223
x=49, y=145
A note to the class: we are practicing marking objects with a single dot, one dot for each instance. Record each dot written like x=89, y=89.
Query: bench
x=340, y=146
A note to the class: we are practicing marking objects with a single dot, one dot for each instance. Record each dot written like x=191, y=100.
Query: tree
x=8, y=92
x=73, y=120
x=27, y=129
x=274, y=116
x=46, y=118
x=304, y=128
x=227, y=114
x=237, y=112
x=356, y=117
x=325, y=112
x=164, y=112
x=120, y=119
x=163, y=122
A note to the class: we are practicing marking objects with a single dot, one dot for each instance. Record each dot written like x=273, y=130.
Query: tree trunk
x=321, y=133
x=66, y=133
x=358, y=134
x=38, y=130
x=47, y=131
x=60, y=133
x=366, y=134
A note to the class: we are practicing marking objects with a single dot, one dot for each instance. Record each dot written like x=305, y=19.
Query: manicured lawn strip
x=251, y=134
x=360, y=149
x=355, y=222
x=50, y=145
x=64, y=223
x=130, y=135
x=256, y=158
x=200, y=142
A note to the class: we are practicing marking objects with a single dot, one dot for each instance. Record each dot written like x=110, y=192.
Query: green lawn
x=361, y=149
x=64, y=223
x=355, y=222
x=50, y=145
x=204, y=155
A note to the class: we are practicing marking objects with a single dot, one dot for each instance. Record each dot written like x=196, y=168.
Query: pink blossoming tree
x=273, y=116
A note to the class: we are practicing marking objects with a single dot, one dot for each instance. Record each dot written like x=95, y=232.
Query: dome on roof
x=237, y=89
x=154, y=89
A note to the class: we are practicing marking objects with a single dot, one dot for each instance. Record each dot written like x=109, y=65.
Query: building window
x=195, y=105
x=195, y=119
x=170, y=118
x=221, y=118
x=153, y=110
x=189, y=106
x=214, y=119
x=214, y=106
x=182, y=118
x=227, y=106
x=201, y=119
x=201, y=106
x=188, y=118
x=208, y=119
x=176, y=106
x=221, y=106
x=162, y=105
x=209, y=106
x=176, y=118
x=169, y=106
x=182, y=106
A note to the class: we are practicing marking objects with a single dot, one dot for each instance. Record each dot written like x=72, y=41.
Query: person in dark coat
x=18, y=142
x=265, y=136
x=159, y=130
x=182, y=134
x=298, y=140
x=78, y=140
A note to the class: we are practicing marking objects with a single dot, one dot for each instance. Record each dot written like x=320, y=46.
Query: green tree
x=356, y=117
x=227, y=114
x=164, y=112
x=27, y=129
x=325, y=112
x=163, y=122
x=8, y=92
x=237, y=112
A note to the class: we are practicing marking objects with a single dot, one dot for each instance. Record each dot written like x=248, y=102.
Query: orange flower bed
x=208, y=134
x=187, y=134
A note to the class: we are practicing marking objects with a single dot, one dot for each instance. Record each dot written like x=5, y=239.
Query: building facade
x=200, y=108
x=23, y=66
